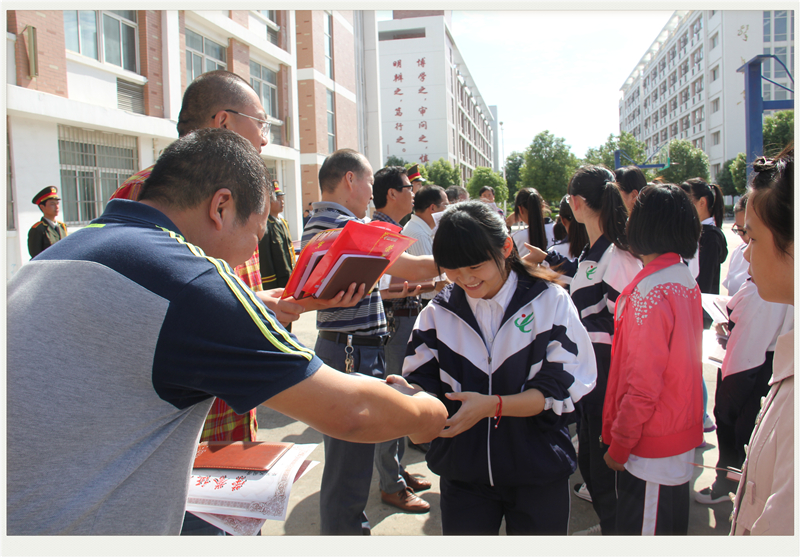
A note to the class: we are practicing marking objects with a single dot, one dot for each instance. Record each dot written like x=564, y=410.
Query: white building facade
x=431, y=107
x=686, y=85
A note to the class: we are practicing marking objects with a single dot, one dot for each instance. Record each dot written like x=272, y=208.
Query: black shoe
x=422, y=447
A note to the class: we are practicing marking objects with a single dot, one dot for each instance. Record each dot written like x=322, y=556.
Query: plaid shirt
x=412, y=302
x=222, y=423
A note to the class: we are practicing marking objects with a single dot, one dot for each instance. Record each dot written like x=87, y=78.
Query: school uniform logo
x=522, y=322
x=590, y=271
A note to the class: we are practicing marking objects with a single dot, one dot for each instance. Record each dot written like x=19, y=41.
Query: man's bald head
x=207, y=95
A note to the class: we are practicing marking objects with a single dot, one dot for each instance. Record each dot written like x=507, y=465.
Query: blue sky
x=556, y=71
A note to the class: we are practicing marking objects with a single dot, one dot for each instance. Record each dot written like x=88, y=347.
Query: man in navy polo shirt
x=160, y=270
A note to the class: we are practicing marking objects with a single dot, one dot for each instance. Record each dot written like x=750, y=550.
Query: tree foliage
x=778, y=132
x=549, y=164
x=394, y=160
x=514, y=164
x=626, y=142
x=686, y=162
x=725, y=179
x=738, y=168
x=443, y=174
x=484, y=176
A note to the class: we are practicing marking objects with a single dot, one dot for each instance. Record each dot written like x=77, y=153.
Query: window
x=766, y=65
x=331, y=123
x=716, y=168
x=767, y=27
x=265, y=83
x=714, y=41
x=715, y=106
x=698, y=86
x=715, y=74
x=673, y=104
x=684, y=95
x=115, y=29
x=328, y=45
x=273, y=29
x=93, y=165
x=203, y=55
x=715, y=139
x=780, y=53
x=780, y=25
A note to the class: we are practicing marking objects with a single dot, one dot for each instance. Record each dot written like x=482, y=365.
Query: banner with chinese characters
x=414, y=104
x=245, y=493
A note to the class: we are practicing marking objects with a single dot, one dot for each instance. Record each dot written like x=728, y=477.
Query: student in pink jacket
x=765, y=499
x=653, y=410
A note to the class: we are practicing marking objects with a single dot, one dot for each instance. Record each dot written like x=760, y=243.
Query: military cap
x=50, y=192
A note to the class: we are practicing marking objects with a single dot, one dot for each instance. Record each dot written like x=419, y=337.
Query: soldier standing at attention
x=47, y=231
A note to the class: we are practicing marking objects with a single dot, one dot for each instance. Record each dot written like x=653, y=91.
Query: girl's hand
x=474, y=407
x=535, y=256
x=613, y=464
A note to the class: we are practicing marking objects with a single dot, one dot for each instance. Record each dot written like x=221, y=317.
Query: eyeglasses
x=263, y=125
x=401, y=188
x=569, y=197
x=738, y=230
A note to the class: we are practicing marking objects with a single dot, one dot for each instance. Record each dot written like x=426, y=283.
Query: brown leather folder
x=239, y=455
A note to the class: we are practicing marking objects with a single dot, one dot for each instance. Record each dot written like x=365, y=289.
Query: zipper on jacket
x=489, y=429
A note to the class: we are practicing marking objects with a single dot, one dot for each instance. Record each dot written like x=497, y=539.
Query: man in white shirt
x=427, y=201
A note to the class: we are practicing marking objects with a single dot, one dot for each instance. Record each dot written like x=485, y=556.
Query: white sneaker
x=593, y=531
x=708, y=424
x=707, y=496
x=582, y=492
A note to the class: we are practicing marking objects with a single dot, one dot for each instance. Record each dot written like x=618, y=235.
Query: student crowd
x=594, y=320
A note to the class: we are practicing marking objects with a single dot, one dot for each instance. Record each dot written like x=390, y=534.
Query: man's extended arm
x=360, y=409
x=414, y=267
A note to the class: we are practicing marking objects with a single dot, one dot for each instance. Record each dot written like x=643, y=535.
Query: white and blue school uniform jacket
x=603, y=272
x=540, y=344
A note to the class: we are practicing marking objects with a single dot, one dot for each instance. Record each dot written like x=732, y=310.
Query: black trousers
x=478, y=510
x=738, y=401
x=647, y=508
x=600, y=479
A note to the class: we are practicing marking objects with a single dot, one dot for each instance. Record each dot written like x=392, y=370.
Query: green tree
x=549, y=164
x=604, y=154
x=394, y=160
x=725, y=179
x=514, y=164
x=738, y=169
x=685, y=162
x=443, y=174
x=778, y=132
x=484, y=176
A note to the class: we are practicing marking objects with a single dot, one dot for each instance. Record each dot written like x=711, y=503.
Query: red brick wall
x=182, y=28
x=151, y=61
x=283, y=103
x=344, y=71
x=241, y=17
x=307, y=107
x=309, y=176
x=239, y=58
x=346, y=124
x=305, y=39
x=51, y=50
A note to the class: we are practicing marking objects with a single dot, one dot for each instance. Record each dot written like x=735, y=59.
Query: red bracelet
x=498, y=411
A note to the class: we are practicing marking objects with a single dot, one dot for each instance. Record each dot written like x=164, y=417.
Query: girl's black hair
x=559, y=232
x=596, y=184
x=532, y=201
x=470, y=233
x=664, y=220
x=772, y=196
x=578, y=237
x=630, y=178
x=741, y=203
x=700, y=189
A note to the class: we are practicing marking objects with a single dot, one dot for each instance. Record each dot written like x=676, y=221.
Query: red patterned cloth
x=222, y=423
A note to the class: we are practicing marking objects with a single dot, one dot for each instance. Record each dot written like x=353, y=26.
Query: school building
x=686, y=85
x=94, y=96
x=431, y=106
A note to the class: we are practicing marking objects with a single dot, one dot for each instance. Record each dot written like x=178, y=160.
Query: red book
x=239, y=455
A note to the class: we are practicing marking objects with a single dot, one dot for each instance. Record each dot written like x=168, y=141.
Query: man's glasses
x=738, y=230
x=263, y=125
